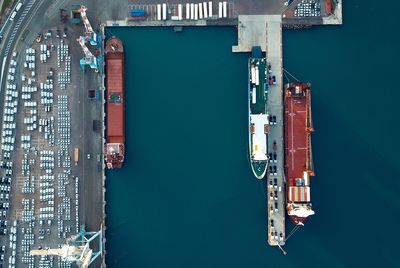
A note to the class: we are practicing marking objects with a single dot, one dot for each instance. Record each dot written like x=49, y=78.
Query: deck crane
x=89, y=58
x=77, y=249
x=90, y=35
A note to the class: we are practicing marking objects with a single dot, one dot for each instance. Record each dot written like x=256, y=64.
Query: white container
x=180, y=11
x=200, y=11
x=192, y=11
x=164, y=11
x=210, y=14
x=225, y=9
x=205, y=13
x=158, y=11
x=196, y=11
x=219, y=9
x=254, y=95
x=187, y=11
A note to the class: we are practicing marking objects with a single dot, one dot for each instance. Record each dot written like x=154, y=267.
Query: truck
x=18, y=7
x=13, y=15
x=76, y=155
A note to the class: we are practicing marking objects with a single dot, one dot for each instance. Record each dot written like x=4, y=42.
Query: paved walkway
x=275, y=108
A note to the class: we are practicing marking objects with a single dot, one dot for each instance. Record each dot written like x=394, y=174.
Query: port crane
x=89, y=58
x=76, y=249
x=90, y=35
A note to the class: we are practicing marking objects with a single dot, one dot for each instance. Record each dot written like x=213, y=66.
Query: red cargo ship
x=115, y=129
x=298, y=155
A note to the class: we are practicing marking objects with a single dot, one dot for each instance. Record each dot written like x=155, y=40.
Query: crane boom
x=85, y=19
x=86, y=51
x=77, y=249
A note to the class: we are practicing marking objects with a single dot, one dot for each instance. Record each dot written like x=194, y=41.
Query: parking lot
x=41, y=181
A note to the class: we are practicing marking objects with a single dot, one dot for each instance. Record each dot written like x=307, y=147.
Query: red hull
x=298, y=156
x=115, y=130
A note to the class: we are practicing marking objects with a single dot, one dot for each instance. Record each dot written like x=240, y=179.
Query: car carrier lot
x=44, y=196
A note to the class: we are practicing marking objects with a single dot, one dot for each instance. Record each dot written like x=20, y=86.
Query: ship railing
x=310, y=165
x=308, y=111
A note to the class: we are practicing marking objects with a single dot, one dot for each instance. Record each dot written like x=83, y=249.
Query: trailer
x=76, y=155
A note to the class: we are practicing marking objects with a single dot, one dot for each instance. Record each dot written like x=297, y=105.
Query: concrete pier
x=266, y=31
x=252, y=31
x=276, y=208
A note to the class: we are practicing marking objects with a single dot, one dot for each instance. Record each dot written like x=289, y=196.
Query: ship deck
x=115, y=92
x=260, y=107
x=296, y=149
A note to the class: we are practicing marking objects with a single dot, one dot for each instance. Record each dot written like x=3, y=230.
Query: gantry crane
x=77, y=249
x=90, y=35
x=89, y=58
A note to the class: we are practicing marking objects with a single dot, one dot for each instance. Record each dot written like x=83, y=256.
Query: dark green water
x=186, y=196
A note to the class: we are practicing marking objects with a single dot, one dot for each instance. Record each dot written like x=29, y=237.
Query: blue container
x=137, y=12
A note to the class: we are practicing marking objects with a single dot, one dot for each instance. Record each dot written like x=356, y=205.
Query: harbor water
x=186, y=196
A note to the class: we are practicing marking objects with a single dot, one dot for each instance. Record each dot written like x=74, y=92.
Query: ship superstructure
x=258, y=114
x=115, y=94
x=298, y=154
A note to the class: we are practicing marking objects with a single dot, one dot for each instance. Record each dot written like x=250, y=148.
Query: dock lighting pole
x=77, y=248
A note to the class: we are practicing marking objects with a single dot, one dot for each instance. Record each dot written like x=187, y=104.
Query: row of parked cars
x=308, y=8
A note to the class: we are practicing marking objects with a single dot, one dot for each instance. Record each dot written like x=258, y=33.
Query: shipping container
x=200, y=11
x=158, y=11
x=187, y=11
x=205, y=13
x=219, y=9
x=225, y=9
x=192, y=11
x=164, y=11
x=210, y=13
x=196, y=11
x=180, y=11
x=254, y=95
x=138, y=12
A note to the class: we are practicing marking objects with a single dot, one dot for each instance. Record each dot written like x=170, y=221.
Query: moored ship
x=298, y=154
x=115, y=99
x=258, y=115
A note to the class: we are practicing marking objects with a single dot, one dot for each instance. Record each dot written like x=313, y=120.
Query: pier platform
x=252, y=31
x=276, y=208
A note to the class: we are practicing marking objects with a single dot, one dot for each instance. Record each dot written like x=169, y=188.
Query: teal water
x=186, y=196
